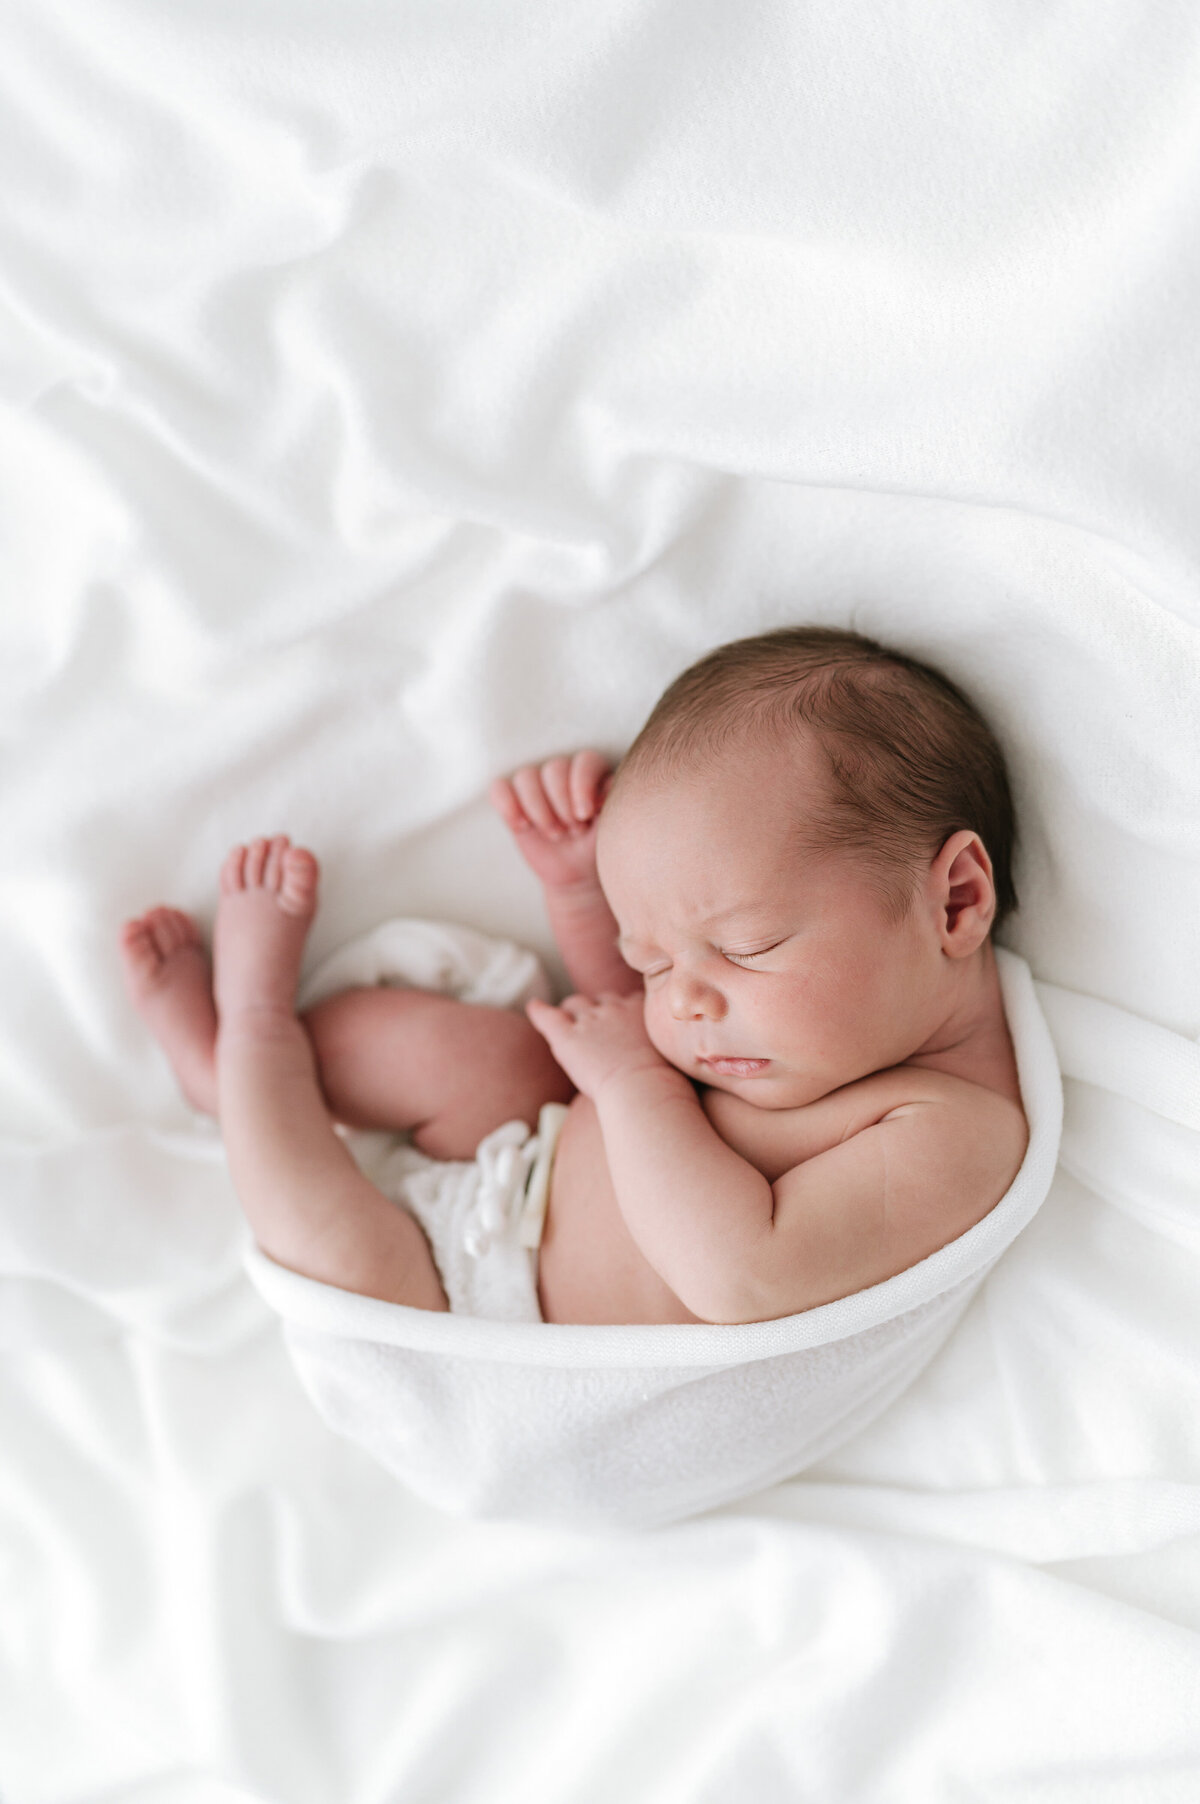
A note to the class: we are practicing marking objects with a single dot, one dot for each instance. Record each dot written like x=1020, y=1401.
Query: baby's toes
x=139, y=948
x=172, y=929
x=273, y=868
x=298, y=880
x=256, y=863
x=233, y=871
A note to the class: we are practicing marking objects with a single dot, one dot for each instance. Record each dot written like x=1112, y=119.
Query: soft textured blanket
x=627, y=1426
x=396, y=394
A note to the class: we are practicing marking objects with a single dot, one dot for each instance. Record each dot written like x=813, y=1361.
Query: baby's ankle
x=256, y=1021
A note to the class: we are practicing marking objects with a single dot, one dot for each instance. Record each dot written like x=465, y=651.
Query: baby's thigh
x=492, y=1066
x=448, y=1071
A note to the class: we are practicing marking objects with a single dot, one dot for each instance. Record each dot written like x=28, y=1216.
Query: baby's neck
x=973, y=1041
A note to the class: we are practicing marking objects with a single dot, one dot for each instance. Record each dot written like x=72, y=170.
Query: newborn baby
x=788, y=1069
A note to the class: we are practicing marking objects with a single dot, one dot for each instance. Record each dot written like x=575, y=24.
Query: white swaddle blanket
x=625, y=1426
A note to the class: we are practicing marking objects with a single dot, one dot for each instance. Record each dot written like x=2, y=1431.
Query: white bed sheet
x=397, y=394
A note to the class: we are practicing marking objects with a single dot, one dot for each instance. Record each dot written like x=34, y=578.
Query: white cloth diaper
x=483, y=1217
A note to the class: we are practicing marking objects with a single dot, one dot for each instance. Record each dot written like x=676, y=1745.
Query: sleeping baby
x=785, y=1074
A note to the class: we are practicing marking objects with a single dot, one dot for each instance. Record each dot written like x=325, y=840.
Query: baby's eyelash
x=762, y=951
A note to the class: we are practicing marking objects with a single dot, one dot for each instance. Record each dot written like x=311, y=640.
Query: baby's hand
x=552, y=811
x=595, y=1040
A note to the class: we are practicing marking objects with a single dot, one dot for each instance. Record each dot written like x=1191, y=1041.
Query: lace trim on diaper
x=514, y=1181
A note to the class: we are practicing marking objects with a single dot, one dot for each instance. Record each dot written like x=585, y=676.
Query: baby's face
x=751, y=952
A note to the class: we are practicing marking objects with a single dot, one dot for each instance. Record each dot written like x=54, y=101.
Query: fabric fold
x=625, y=1426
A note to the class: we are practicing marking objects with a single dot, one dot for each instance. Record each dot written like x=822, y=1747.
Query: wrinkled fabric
x=395, y=395
x=619, y=1426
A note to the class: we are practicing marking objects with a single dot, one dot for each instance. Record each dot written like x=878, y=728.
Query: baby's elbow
x=737, y=1315
x=730, y=1302
x=727, y=1318
x=730, y=1280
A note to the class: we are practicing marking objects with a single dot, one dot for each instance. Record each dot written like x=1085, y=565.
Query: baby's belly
x=590, y=1268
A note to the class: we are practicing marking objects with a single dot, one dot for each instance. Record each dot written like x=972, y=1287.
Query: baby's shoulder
x=962, y=1139
x=871, y=1179
x=969, y=1131
x=972, y=1129
x=907, y=1089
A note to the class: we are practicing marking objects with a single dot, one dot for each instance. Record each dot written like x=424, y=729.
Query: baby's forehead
x=765, y=806
x=793, y=763
x=690, y=872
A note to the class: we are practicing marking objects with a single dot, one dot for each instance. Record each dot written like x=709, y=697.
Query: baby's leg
x=169, y=980
x=398, y=1060
x=454, y=1070
x=310, y=1207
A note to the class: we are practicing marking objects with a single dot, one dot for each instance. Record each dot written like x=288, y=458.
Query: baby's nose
x=692, y=1000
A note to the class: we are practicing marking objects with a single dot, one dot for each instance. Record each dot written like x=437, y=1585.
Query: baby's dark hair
x=911, y=760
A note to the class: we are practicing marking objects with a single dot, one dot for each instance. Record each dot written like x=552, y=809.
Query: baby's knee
x=508, y=1070
x=506, y=1073
x=525, y=1061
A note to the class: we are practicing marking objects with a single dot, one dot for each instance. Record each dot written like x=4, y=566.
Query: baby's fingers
x=556, y=797
x=527, y=782
x=588, y=784
x=555, y=784
x=574, y=786
x=544, y=1016
x=504, y=801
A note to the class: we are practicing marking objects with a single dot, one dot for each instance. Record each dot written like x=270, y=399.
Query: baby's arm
x=696, y=1208
x=888, y=1170
x=552, y=811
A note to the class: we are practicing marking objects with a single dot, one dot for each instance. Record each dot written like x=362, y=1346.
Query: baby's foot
x=169, y=981
x=268, y=899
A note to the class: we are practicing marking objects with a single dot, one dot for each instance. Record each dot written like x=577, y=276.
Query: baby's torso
x=591, y=1269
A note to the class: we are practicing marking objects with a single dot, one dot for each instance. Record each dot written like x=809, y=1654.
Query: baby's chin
x=775, y=1087
x=778, y=1086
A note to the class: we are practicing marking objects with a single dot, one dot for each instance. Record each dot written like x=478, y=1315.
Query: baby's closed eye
x=729, y=953
x=760, y=953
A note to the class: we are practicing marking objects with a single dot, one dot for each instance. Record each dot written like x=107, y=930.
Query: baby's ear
x=963, y=893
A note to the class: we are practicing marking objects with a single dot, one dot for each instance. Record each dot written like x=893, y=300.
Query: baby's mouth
x=736, y=1067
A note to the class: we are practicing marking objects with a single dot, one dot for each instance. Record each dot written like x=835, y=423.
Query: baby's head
x=807, y=848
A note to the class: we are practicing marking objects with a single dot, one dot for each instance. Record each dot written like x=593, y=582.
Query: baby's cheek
x=658, y=1028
